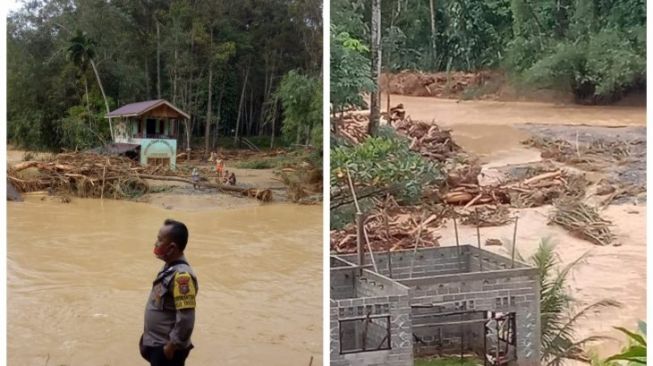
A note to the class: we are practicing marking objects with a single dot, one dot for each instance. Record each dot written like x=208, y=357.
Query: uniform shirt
x=170, y=309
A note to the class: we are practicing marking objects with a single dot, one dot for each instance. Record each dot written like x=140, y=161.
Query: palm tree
x=82, y=51
x=557, y=316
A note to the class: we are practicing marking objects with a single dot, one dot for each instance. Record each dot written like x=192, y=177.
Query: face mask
x=158, y=251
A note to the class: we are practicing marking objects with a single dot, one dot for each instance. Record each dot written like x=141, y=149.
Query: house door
x=151, y=128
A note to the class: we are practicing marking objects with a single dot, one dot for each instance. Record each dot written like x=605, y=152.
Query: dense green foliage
x=301, y=97
x=350, y=72
x=592, y=48
x=382, y=162
x=222, y=62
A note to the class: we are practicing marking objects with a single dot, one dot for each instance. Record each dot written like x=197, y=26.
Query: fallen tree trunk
x=25, y=165
x=264, y=195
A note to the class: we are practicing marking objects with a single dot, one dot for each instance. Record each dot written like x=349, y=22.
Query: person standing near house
x=219, y=167
x=195, y=177
x=170, y=308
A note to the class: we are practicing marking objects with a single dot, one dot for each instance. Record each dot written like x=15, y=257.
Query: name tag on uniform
x=184, y=291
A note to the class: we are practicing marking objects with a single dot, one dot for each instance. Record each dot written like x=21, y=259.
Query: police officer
x=170, y=309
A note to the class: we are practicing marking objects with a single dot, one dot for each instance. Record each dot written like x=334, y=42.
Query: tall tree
x=375, y=102
x=82, y=51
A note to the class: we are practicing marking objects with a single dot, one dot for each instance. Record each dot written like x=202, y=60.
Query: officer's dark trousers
x=157, y=358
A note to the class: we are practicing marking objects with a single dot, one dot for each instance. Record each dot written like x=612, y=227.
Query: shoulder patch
x=183, y=291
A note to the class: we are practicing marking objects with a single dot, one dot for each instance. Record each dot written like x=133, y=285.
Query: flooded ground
x=448, y=112
x=493, y=131
x=79, y=275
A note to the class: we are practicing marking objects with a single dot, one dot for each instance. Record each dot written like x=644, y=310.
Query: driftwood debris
x=427, y=139
x=582, y=221
x=94, y=175
x=589, y=156
x=264, y=195
x=485, y=216
x=532, y=191
x=392, y=227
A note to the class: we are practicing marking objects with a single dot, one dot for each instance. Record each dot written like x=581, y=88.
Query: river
x=79, y=275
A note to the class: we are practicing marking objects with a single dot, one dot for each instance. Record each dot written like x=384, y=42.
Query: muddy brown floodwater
x=79, y=275
x=493, y=131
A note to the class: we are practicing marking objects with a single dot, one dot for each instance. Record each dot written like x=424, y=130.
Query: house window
x=158, y=161
x=150, y=128
x=365, y=334
x=161, y=127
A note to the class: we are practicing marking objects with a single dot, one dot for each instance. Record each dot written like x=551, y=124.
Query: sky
x=14, y=4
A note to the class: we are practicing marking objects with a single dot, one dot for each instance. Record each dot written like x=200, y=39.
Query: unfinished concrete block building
x=436, y=301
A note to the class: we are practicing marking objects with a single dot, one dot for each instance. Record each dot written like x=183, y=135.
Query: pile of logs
x=534, y=191
x=428, y=139
x=98, y=176
x=353, y=126
x=392, y=227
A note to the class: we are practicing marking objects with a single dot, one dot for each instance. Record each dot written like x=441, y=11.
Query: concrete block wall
x=491, y=261
x=378, y=296
x=513, y=290
x=427, y=262
x=441, y=277
x=342, y=283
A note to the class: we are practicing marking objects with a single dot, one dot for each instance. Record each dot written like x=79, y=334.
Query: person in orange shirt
x=219, y=167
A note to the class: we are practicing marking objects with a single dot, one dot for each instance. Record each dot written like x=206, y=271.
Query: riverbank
x=274, y=179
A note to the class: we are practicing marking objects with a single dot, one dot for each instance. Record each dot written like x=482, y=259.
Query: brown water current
x=488, y=128
x=79, y=275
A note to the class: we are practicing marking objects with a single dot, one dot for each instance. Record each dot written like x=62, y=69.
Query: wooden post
x=417, y=240
x=478, y=239
x=359, y=240
x=369, y=248
x=389, y=264
x=514, y=243
x=455, y=227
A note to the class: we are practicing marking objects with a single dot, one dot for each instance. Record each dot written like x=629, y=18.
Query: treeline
x=238, y=67
x=593, y=48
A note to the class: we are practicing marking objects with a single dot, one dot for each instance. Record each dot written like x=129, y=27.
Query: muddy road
x=79, y=275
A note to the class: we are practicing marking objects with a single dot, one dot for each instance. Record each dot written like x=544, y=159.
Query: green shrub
x=383, y=162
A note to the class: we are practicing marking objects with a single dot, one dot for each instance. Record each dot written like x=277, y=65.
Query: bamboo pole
x=455, y=227
x=369, y=248
x=478, y=239
x=359, y=226
x=514, y=243
x=417, y=240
